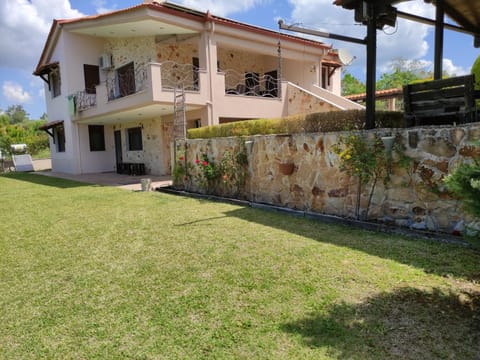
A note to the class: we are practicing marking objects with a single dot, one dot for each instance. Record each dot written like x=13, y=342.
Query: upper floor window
x=91, y=75
x=126, y=79
x=54, y=81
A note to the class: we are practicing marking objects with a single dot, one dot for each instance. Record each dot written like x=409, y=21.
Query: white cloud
x=451, y=69
x=221, y=7
x=24, y=28
x=15, y=93
x=101, y=8
x=407, y=40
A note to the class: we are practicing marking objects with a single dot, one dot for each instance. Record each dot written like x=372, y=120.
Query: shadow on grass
x=433, y=257
x=44, y=180
x=406, y=324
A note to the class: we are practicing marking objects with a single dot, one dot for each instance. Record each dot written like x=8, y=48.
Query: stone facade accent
x=301, y=171
x=302, y=102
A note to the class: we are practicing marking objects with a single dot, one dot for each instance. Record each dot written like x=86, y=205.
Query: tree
x=403, y=72
x=17, y=114
x=351, y=85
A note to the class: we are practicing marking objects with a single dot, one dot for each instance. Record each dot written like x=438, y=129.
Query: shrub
x=464, y=183
x=316, y=122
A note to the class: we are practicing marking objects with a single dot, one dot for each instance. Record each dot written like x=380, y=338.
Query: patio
x=121, y=181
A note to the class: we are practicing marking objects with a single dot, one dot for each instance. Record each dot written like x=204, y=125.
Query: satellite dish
x=345, y=57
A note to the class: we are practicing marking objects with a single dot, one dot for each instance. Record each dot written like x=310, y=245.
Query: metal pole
x=439, y=27
x=371, y=66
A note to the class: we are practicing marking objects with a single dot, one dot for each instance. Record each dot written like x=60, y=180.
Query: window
x=134, y=138
x=126, y=80
x=96, y=135
x=91, y=75
x=54, y=82
x=59, y=138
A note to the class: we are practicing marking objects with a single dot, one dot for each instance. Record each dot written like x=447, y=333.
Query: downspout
x=210, y=29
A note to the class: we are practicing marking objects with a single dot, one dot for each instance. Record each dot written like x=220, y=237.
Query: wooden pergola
x=375, y=14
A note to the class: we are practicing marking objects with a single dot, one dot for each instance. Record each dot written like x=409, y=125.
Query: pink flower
x=205, y=163
x=197, y=161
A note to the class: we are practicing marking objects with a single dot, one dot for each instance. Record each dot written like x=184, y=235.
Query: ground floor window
x=59, y=138
x=134, y=139
x=96, y=134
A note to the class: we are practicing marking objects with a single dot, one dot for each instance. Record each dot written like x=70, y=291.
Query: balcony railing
x=251, y=84
x=126, y=81
x=176, y=75
x=84, y=100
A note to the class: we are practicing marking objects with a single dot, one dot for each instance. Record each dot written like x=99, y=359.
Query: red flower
x=205, y=163
x=181, y=158
x=197, y=161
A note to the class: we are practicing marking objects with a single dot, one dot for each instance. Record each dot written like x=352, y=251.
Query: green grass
x=90, y=272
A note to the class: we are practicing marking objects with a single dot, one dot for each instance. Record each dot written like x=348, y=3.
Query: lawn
x=90, y=272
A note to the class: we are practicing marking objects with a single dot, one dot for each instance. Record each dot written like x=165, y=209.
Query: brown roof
x=179, y=11
x=51, y=124
x=378, y=94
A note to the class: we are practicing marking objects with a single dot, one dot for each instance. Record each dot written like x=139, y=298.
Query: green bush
x=464, y=183
x=316, y=122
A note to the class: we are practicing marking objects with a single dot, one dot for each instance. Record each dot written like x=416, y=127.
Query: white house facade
x=116, y=83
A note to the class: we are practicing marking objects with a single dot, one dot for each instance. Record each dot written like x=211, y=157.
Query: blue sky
x=24, y=25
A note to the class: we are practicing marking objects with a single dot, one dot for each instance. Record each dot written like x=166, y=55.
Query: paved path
x=113, y=179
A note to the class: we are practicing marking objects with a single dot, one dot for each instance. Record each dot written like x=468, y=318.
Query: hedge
x=310, y=123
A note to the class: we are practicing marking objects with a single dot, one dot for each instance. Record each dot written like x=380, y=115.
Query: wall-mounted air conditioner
x=105, y=61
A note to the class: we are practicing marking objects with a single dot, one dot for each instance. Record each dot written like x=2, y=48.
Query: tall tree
x=17, y=114
x=351, y=85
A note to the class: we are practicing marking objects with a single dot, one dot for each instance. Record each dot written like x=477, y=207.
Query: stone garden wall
x=302, y=172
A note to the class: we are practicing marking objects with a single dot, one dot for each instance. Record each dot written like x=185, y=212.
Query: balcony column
x=208, y=60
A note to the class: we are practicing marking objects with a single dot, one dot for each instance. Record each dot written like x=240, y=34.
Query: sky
x=24, y=27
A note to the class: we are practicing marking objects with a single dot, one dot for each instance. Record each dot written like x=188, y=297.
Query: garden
x=97, y=272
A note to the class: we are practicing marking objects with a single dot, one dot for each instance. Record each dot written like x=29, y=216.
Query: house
x=121, y=86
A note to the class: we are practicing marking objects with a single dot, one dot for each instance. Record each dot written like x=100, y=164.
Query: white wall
x=96, y=161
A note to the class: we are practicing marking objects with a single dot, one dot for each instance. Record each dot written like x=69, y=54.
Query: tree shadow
x=433, y=257
x=407, y=324
x=44, y=180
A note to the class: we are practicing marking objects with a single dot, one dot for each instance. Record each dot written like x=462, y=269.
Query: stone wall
x=140, y=50
x=302, y=102
x=301, y=171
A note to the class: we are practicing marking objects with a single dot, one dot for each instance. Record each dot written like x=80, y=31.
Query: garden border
x=329, y=219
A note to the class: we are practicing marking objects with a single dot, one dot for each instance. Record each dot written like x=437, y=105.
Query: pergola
x=375, y=14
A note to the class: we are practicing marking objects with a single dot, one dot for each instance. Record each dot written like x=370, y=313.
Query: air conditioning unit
x=105, y=61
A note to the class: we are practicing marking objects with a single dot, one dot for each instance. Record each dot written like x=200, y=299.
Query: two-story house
x=117, y=84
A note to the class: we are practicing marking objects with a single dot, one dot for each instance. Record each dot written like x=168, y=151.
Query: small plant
x=233, y=170
x=464, y=183
x=364, y=159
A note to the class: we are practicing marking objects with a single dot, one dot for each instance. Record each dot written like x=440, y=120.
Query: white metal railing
x=251, y=84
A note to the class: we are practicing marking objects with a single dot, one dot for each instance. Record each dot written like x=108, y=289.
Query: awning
x=45, y=69
x=49, y=125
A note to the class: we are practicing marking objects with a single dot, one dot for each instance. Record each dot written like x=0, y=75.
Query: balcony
x=132, y=88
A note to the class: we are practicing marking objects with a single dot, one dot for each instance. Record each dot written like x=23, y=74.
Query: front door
x=118, y=150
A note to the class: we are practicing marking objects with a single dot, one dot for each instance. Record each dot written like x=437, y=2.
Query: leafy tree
x=17, y=114
x=403, y=72
x=351, y=85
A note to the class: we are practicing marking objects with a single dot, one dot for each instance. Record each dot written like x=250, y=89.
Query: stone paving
x=113, y=179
